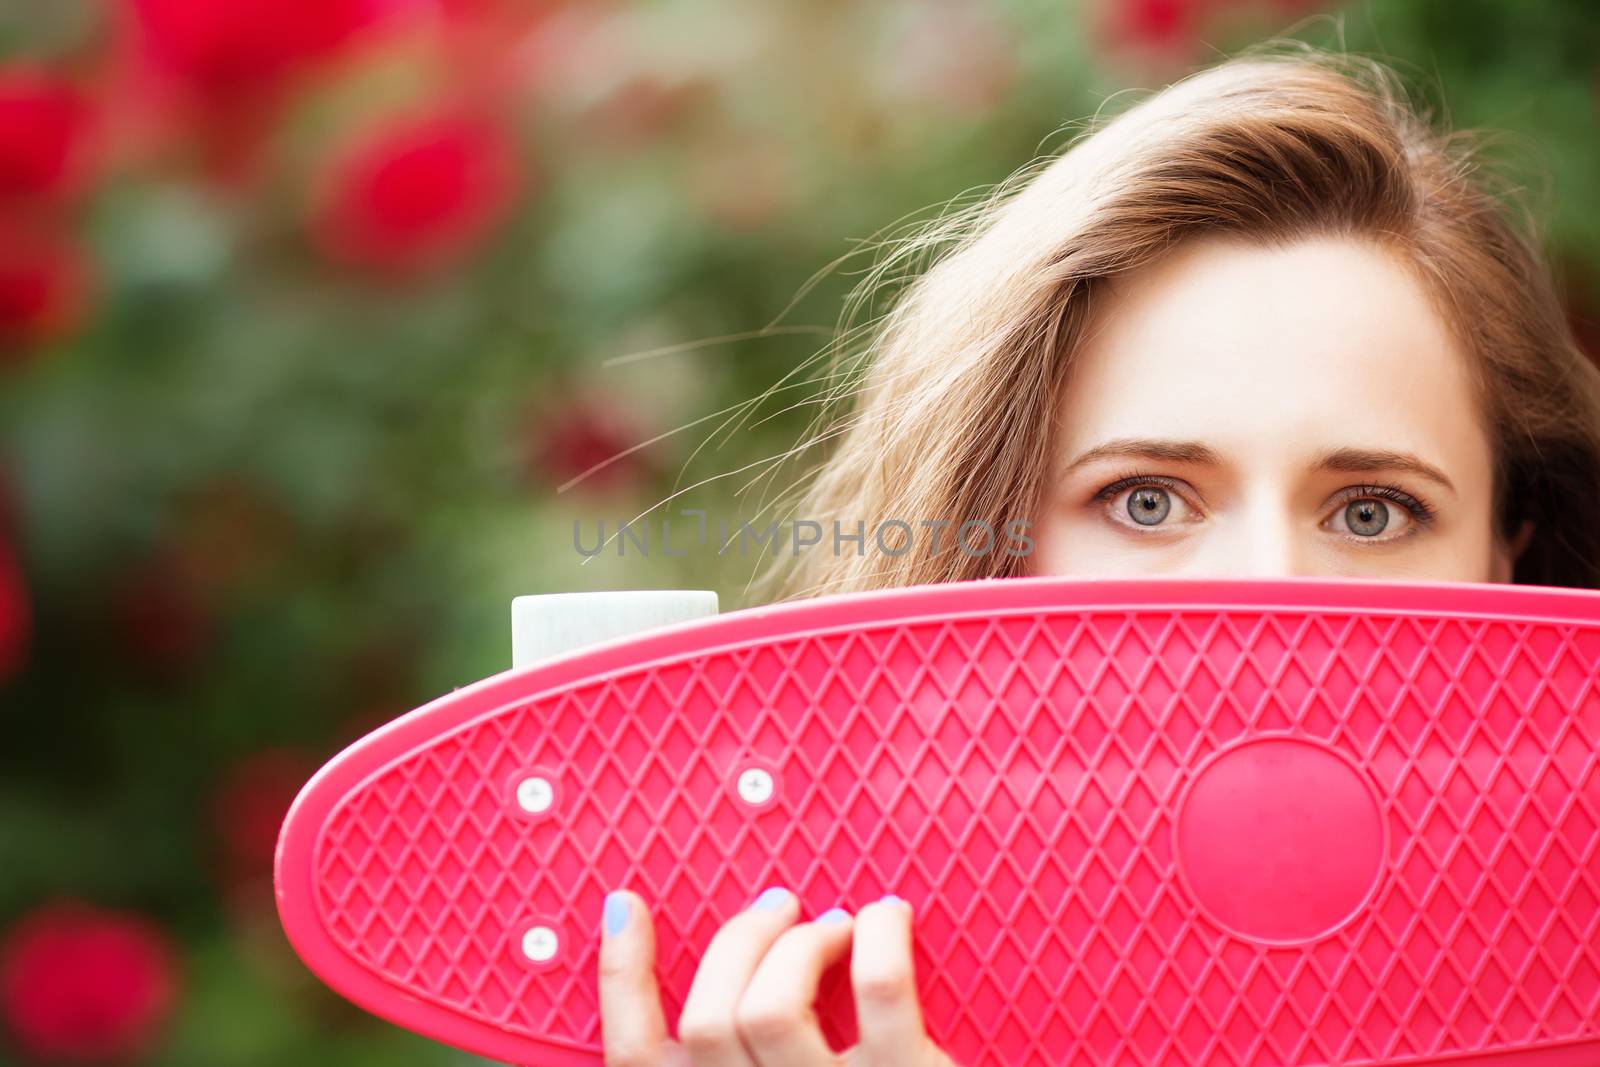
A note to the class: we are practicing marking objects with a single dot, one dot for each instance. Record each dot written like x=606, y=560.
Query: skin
x=1262, y=391
x=750, y=1004
x=1300, y=410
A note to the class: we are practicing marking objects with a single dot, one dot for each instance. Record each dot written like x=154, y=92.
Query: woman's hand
x=751, y=1001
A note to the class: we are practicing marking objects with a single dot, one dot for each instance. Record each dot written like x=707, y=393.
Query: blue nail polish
x=616, y=916
x=833, y=915
x=890, y=898
x=771, y=899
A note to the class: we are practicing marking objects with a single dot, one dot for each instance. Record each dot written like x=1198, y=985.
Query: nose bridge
x=1263, y=542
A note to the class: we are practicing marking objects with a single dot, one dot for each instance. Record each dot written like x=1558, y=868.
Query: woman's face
x=1254, y=411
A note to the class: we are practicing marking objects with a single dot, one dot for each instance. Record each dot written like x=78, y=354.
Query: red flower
x=1162, y=25
x=14, y=613
x=80, y=983
x=43, y=285
x=249, y=808
x=569, y=440
x=44, y=126
x=1176, y=29
x=416, y=194
x=248, y=47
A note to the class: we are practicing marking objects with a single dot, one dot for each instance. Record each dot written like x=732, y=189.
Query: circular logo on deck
x=1280, y=840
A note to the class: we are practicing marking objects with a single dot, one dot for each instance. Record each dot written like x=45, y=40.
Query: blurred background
x=323, y=321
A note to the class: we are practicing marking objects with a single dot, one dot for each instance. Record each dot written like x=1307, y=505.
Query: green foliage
x=265, y=503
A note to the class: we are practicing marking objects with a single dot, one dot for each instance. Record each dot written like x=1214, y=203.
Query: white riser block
x=551, y=624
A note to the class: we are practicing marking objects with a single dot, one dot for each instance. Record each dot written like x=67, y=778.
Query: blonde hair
x=956, y=390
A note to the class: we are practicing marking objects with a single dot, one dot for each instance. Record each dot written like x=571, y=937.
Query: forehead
x=1273, y=354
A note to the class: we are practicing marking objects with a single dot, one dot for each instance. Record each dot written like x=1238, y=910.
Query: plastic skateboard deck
x=1302, y=823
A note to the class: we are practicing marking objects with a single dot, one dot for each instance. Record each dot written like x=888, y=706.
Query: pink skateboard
x=1308, y=823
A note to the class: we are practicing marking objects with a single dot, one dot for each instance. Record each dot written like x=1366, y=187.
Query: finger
x=775, y=1016
x=706, y=1026
x=883, y=981
x=633, y=1029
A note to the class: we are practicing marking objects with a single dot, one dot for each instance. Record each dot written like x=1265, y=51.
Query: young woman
x=1268, y=322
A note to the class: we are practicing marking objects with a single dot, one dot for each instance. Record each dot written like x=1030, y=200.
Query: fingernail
x=833, y=915
x=771, y=899
x=890, y=898
x=616, y=916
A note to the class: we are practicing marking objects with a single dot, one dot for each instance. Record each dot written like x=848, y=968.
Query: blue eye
x=1366, y=518
x=1367, y=511
x=1148, y=501
x=1149, y=506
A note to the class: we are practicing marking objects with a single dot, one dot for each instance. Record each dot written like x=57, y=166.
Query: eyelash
x=1135, y=480
x=1420, y=510
x=1423, y=512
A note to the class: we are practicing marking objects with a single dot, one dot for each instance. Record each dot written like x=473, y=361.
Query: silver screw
x=539, y=944
x=535, y=795
x=755, y=786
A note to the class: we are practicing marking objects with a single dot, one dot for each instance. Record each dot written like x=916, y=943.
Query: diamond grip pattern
x=1016, y=775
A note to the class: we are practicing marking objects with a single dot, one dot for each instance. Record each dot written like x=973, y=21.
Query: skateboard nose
x=552, y=624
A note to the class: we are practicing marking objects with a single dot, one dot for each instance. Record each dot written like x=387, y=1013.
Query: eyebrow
x=1367, y=459
x=1348, y=460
